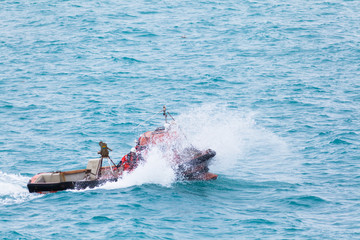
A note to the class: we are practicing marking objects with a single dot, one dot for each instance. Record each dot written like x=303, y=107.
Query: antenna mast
x=164, y=113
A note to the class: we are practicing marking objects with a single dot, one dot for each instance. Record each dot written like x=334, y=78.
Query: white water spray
x=244, y=149
x=13, y=189
x=155, y=170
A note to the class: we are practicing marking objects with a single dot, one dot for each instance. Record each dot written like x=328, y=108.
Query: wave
x=338, y=141
x=307, y=201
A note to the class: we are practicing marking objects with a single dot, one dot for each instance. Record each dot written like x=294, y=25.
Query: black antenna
x=164, y=113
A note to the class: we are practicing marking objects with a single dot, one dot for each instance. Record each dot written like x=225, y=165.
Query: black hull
x=54, y=187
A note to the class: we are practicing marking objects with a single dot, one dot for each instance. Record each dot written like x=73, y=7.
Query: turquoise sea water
x=272, y=86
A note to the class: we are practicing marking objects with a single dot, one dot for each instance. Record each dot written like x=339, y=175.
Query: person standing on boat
x=104, y=151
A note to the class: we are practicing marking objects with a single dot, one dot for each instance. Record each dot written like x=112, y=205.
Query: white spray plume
x=244, y=149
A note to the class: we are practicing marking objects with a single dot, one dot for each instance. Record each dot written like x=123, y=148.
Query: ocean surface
x=272, y=86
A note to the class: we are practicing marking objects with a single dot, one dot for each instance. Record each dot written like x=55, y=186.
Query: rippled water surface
x=272, y=86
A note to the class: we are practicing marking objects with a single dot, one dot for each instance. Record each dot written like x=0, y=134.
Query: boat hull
x=194, y=169
x=61, y=186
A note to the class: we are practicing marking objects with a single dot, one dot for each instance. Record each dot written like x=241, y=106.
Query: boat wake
x=13, y=189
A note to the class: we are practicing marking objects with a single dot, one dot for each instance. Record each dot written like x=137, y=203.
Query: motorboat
x=93, y=175
x=188, y=162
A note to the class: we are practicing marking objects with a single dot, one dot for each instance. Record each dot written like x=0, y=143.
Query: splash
x=13, y=189
x=244, y=149
x=155, y=170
